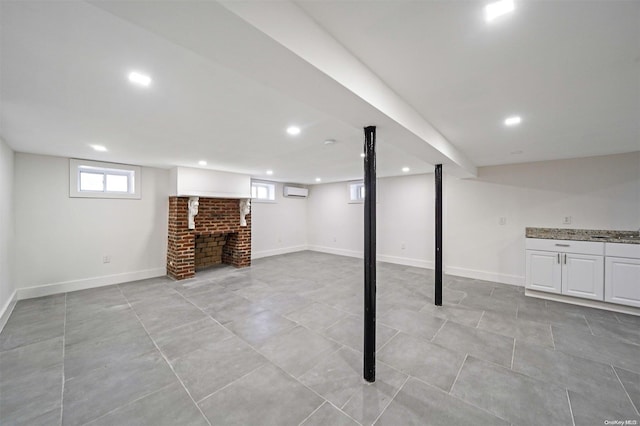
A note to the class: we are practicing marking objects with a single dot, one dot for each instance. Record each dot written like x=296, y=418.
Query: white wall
x=6, y=229
x=187, y=181
x=334, y=224
x=61, y=241
x=405, y=218
x=598, y=192
x=279, y=227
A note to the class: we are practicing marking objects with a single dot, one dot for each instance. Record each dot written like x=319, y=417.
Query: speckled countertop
x=625, y=237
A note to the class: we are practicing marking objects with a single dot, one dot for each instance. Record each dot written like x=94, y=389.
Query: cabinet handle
x=563, y=245
x=565, y=259
x=558, y=258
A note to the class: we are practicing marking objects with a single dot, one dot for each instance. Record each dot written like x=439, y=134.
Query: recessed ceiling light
x=202, y=163
x=269, y=172
x=513, y=120
x=139, y=79
x=362, y=155
x=99, y=148
x=318, y=180
x=329, y=141
x=293, y=130
x=405, y=169
x=498, y=8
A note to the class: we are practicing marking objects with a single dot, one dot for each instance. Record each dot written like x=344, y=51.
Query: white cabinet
x=583, y=276
x=622, y=274
x=572, y=268
x=544, y=271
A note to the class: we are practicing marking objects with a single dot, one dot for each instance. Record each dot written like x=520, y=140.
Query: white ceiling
x=224, y=91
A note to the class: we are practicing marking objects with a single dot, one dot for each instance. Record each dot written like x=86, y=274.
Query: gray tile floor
x=279, y=344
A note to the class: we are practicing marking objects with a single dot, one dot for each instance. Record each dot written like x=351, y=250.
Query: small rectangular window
x=263, y=191
x=356, y=192
x=117, y=182
x=92, y=179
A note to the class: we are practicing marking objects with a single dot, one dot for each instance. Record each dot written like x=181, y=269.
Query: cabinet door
x=543, y=271
x=583, y=276
x=622, y=281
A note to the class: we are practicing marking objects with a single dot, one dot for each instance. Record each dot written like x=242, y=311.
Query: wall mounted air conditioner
x=294, y=191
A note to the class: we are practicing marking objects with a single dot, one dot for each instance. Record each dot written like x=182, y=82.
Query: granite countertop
x=624, y=237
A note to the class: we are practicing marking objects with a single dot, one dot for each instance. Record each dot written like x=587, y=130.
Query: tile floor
x=279, y=344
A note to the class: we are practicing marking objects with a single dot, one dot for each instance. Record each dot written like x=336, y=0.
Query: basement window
x=93, y=179
x=263, y=191
x=356, y=192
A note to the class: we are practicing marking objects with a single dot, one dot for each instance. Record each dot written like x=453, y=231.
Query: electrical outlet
x=566, y=220
x=503, y=221
x=335, y=239
x=403, y=246
x=106, y=259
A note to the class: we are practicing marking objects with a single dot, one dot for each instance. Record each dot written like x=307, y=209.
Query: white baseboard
x=428, y=264
x=582, y=302
x=485, y=275
x=418, y=263
x=339, y=252
x=275, y=252
x=5, y=311
x=82, y=284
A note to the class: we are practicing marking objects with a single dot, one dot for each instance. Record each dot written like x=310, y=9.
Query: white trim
x=7, y=309
x=339, y=252
x=259, y=201
x=418, y=263
x=516, y=280
x=582, y=302
x=275, y=252
x=85, y=283
x=407, y=261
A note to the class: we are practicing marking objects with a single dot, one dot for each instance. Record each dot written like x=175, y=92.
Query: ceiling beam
x=287, y=24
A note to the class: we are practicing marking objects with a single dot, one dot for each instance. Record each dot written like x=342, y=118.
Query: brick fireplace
x=217, y=237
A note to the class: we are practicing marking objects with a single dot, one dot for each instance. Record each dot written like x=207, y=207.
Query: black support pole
x=370, y=254
x=438, y=180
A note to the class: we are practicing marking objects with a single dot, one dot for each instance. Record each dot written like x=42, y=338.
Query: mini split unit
x=294, y=191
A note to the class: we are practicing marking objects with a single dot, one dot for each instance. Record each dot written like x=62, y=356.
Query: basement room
x=273, y=213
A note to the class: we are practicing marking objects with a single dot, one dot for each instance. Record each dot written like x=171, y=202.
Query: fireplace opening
x=209, y=250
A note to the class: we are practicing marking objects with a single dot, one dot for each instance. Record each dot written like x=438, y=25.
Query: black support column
x=370, y=254
x=438, y=181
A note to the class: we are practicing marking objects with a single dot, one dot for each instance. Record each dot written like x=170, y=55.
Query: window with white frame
x=93, y=179
x=356, y=192
x=263, y=191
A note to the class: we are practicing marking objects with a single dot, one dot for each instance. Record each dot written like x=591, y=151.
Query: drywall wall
x=334, y=224
x=186, y=181
x=6, y=230
x=597, y=192
x=404, y=220
x=61, y=241
x=278, y=227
